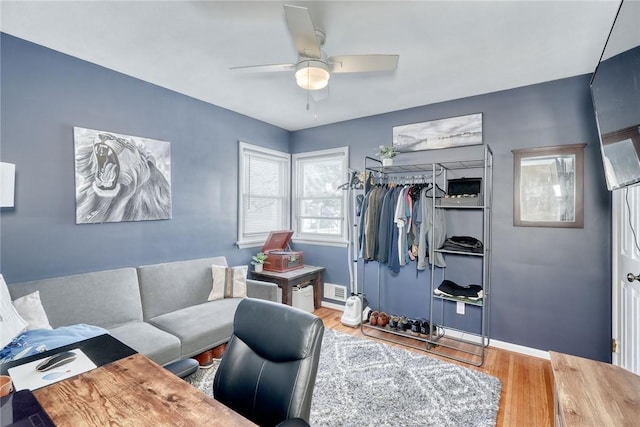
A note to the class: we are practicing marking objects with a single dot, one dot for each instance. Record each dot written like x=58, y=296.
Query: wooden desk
x=590, y=393
x=302, y=277
x=134, y=392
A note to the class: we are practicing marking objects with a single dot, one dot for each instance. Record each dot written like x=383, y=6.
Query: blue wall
x=550, y=286
x=616, y=92
x=44, y=95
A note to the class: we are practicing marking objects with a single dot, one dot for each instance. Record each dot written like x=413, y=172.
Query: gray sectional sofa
x=159, y=310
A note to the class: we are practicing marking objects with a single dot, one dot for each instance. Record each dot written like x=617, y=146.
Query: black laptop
x=22, y=409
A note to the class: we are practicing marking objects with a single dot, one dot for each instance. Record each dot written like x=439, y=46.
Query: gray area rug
x=366, y=383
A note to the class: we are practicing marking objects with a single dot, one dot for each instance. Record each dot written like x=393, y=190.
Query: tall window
x=264, y=186
x=319, y=206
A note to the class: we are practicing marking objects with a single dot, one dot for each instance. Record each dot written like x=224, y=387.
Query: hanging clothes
x=396, y=225
x=392, y=259
x=361, y=236
x=412, y=236
x=372, y=219
x=380, y=195
x=432, y=232
x=384, y=231
x=402, y=219
x=416, y=223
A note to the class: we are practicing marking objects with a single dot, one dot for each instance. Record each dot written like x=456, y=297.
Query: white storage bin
x=303, y=298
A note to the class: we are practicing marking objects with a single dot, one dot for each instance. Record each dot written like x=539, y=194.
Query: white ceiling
x=448, y=49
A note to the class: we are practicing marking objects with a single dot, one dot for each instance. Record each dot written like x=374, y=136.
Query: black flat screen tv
x=615, y=91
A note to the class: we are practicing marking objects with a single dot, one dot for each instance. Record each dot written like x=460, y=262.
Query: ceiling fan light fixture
x=312, y=75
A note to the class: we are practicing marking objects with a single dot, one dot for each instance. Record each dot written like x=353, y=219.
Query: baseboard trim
x=542, y=354
x=332, y=305
x=516, y=348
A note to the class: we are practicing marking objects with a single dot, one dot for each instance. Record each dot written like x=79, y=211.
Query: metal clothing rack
x=445, y=340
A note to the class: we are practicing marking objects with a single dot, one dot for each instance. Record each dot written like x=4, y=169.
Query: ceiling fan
x=313, y=68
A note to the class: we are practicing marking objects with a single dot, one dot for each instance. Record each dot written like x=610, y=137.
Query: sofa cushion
x=31, y=310
x=228, y=282
x=172, y=286
x=105, y=298
x=11, y=323
x=187, y=324
x=157, y=345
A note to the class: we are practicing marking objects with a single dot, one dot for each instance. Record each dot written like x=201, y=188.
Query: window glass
x=264, y=199
x=319, y=204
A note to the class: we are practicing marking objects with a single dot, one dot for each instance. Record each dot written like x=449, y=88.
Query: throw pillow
x=31, y=309
x=228, y=282
x=11, y=324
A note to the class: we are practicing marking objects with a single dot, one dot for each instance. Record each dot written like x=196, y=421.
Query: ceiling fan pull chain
x=315, y=112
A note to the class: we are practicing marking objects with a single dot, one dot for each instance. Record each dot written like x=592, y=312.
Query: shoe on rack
x=373, y=319
x=393, y=322
x=425, y=327
x=403, y=323
x=415, y=327
x=383, y=319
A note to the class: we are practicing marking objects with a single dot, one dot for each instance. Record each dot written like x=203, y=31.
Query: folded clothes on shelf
x=463, y=243
x=449, y=288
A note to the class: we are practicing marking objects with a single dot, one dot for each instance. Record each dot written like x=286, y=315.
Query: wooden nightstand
x=302, y=277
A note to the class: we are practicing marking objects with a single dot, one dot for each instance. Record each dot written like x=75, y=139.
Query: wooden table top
x=134, y=392
x=307, y=269
x=592, y=393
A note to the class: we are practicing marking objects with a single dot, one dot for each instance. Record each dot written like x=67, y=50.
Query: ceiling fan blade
x=302, y=31
x=363, y=63
x=265, y=68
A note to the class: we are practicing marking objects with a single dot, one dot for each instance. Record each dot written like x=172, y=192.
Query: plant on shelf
x=387, y=153
x=258, y=260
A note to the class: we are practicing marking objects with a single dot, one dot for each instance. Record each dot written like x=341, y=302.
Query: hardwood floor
x=527, y=382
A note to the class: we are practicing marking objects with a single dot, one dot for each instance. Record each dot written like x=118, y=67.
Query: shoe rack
x=457, y=328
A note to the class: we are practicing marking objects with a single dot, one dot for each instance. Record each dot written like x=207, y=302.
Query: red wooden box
x=279, y=259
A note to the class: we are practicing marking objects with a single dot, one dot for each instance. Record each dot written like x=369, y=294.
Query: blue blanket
x=39, y=340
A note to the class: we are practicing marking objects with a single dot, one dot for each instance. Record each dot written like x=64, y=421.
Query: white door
x=626, y=261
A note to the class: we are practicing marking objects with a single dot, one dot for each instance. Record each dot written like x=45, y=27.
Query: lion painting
x=118, y=179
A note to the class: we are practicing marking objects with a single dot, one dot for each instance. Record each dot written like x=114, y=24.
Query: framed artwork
x=121, y=177
x=548, y=186
x=436, y=134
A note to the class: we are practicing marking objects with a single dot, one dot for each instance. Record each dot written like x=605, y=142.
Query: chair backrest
x=269, y=368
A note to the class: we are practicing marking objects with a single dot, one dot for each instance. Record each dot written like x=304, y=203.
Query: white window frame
x=245, y=239
x=297, y=187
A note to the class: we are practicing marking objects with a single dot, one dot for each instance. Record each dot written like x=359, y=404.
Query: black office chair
x=269, y=368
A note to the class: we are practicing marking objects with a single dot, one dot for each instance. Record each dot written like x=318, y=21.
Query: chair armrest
x=262, y=290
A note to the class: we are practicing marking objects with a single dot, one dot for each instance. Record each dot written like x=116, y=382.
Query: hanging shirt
x=400, y=219
x=384, y=234
x=361, y=237
x=392, y=259
x=371, y=223
x=432, y=232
